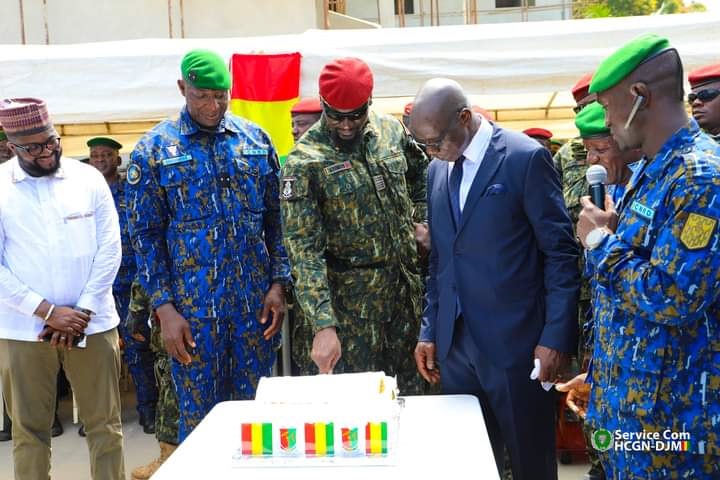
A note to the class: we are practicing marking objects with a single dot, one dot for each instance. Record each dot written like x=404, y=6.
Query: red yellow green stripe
x=256, y=439
x=265, y=87
x=376, y=438
x=320, y=439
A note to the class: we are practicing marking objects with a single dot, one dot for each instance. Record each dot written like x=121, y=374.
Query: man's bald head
x=439, y=97
x=441, y=118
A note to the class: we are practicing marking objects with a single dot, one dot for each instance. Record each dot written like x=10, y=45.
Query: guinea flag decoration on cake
x=264, y=89
x=319, y=439
x=256, y=439
x=288, y=439
x=349, y=439
x=376, y=438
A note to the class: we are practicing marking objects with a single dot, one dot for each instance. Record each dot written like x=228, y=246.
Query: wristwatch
x=595, y=238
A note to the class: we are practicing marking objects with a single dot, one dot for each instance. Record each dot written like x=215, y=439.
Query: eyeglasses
x=705, y=96
x=437, y=144
x=578, y=108
x=36, y=149
x=354, y=116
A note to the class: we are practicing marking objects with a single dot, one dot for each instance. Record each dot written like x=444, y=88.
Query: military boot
x=144, y=473
x=6, y=432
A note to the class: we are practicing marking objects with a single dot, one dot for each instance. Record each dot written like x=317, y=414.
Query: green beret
x=3, y=136
x=205, y=69
x=627, y=58
x=107, y=141
x=591, y=121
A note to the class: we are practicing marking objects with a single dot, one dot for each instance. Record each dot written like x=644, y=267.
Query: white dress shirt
x=59, y=241
x=474, y=154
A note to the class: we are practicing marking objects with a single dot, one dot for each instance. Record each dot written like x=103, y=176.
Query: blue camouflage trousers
x=228, y=361
x=139, y=358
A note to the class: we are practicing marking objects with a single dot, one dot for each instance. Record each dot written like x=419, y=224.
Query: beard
x=347, y=146
x=33, y=169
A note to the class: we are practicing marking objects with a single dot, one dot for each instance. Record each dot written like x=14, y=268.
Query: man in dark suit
x=503, y=281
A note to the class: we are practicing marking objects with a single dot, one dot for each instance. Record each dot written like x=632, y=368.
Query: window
x=408, y=4
x=337, y=6
x=513, y=3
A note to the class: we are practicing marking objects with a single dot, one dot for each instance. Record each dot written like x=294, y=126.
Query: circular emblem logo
x=133, y=174
x=601, y=440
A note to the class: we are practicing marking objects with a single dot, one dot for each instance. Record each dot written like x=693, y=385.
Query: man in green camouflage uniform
x=571, y=164
x=167, y=414
x=351, y=191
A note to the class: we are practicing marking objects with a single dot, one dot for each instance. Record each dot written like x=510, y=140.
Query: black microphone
x=596, y=176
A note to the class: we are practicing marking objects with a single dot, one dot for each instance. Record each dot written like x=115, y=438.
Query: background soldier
x=167, y=416
x=540, y=135
x=705, y=98
x=571, y=163
x=304, y=115
x=105, y=156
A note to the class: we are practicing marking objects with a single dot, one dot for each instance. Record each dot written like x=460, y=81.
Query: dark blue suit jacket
x=513, y=260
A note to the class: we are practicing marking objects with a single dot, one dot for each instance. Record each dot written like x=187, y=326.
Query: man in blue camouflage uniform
x=105, y=156
x=656, y=357
x=205, y=224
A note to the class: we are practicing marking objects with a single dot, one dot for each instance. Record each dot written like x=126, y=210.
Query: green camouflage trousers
x=378, y=312
x=167, y=413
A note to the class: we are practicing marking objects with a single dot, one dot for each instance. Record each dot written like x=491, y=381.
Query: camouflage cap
x=3, y=136
x=590, y=122
x=626, y=59
x=205, y=69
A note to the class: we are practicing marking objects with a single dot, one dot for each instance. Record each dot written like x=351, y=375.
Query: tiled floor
x=70, y=457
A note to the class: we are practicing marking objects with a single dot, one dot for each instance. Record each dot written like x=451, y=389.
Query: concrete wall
x=345, y=22
x=77, y=21
x=452, y=12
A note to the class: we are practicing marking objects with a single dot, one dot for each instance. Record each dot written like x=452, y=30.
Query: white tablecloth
x=441, y=437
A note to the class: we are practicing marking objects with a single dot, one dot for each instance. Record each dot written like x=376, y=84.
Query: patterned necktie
x=454, y=189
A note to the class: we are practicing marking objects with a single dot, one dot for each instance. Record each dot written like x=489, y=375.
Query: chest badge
x=287, y=187
x=337, y=168
x=379, y=183
x=134, y=174
x=642, y=210
x=697, y=231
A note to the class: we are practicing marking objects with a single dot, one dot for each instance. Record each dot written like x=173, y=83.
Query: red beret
x=581, y=88
x=703, y=75
x=307, y=105
x=538, y=132
x=346, y=83
x=408, y=109
x=481, y=111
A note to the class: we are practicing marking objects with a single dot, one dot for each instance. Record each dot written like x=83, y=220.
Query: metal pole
x=169, y=14
x=286, y=368
x=182, y=19
x=326, y=14
x=45, y=23
x=22, y=22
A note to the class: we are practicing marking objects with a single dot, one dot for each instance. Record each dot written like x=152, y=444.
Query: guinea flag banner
x=264, y=89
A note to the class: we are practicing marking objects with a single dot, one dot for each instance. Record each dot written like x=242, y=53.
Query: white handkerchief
x=536, y=372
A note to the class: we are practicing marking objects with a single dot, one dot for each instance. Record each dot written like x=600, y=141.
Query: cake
x=330, y=417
